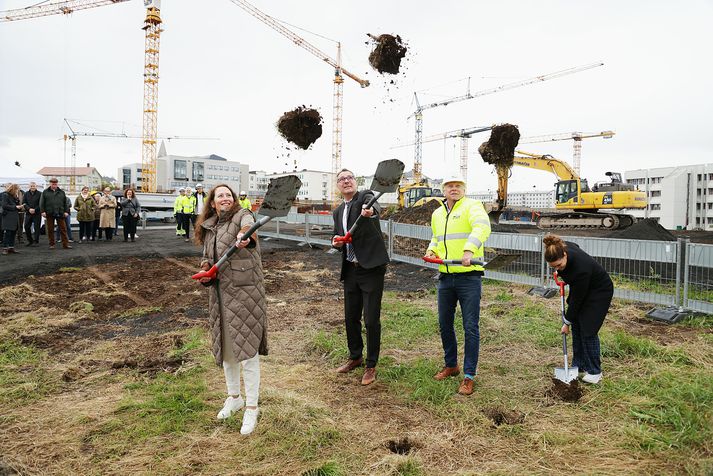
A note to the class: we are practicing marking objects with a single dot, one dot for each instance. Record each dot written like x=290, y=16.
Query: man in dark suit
x=363, y=268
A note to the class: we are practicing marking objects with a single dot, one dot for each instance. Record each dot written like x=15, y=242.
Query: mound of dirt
x=570, y=392
x=413, y=215
x=401, y=446
x=646, y=229
x=387, y=53
x=301, y=126
x=499, y=150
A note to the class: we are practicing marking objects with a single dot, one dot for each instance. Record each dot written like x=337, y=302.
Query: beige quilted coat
x=238, y=295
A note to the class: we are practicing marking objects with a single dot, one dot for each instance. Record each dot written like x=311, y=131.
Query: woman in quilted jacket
x=236, y=300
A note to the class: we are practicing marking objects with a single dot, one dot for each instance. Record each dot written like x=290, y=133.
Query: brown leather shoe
x=369, y=376
x=466, y=387
x=447, y=372
x=350, y=365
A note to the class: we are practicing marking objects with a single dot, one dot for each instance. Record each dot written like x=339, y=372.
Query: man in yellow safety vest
x=460, y=227
x=188, y=206
x=244, y=200
x=177, y=211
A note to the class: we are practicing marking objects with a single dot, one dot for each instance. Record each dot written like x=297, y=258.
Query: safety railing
x=668, y=273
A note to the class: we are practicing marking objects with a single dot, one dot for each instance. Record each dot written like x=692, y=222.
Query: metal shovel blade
x=387, y=176
x=567, y=375
x=281, y=192
x=501, y=261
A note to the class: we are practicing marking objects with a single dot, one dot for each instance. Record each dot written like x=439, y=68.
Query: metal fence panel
x=698, y=288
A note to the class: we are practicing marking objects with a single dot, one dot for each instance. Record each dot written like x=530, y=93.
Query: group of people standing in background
x=189, y=205
x=97, y=214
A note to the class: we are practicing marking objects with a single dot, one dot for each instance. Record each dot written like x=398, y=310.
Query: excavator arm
x=547, y=163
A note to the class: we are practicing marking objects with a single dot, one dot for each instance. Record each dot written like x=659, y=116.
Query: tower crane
x=418, y=114
x=152, y=28
x=574, y=136
x=56, y=8
x=338, y=79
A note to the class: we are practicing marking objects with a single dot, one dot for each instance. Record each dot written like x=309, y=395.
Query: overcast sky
x=225, y=74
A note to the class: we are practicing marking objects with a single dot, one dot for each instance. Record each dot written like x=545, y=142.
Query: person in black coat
x=590, y=294
x=33, y=219
x=10, y=204
x=363, y=268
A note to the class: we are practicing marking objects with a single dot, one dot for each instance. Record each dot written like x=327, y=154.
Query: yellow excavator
x=416, y=193
x=582, y=206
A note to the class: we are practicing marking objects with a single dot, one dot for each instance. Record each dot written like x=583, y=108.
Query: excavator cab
x=616, y=184
x=566, y=190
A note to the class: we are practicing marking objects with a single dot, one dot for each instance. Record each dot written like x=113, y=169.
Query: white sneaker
x=249, y=421
x=592, y=378
x=231, y=405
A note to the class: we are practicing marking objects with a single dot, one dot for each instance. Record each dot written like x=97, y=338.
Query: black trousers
x=186, y=224
x=363, y=289
x=30, y=221
x=129, y=226
x=85, y=229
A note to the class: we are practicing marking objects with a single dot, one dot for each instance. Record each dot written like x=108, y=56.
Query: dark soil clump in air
x=499, y=150
x=646, y=229
x=301, y=126
x=501, y=416
x=569, y=392
x=386, y=56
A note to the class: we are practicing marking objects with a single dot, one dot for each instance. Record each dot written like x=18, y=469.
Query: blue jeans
x=454, y=288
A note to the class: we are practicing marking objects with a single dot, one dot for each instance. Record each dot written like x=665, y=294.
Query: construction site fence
x=677, y=274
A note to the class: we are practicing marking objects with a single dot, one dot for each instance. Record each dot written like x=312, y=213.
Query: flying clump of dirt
x=499, y=150
x=301, y=126
x=387, y=53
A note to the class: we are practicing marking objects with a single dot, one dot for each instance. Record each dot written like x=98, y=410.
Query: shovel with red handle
x=566, y=374
x=281, y=192
x=499, y=261
x=386, y=180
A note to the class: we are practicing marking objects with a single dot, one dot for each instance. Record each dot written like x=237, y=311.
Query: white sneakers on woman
x=234, y=404
x=249, y=421
x=592, y=378
x=231, y=405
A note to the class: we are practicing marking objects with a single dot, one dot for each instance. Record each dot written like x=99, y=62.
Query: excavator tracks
x=580, y=221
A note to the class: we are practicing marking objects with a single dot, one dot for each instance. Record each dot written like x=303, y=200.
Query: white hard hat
x=453, y=178
x=182, y=189
x=199, y=185
x=243, y=192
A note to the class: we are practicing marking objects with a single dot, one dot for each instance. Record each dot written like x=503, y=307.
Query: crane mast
x=337, y=125
x=418, y=114
x=152, y=27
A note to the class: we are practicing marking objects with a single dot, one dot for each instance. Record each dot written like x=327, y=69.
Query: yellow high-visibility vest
x=245, y=203
x=464, y=228
x=188, y=204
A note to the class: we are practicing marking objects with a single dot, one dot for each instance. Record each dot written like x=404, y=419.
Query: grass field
x=95, y=383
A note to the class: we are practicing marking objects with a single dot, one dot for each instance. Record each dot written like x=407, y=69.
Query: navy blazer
x=367, y=240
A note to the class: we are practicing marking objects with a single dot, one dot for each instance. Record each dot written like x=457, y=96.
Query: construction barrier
x=668, y=273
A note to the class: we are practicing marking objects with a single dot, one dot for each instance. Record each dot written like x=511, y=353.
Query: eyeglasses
x=345, y=178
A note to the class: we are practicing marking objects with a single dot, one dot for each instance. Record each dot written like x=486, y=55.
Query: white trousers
x=251, y=373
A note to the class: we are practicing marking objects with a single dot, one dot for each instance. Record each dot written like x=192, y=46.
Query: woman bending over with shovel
x=590, y=294
x=236, y=300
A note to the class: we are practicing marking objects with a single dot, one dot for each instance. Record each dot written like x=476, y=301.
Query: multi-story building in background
x=83, y=176
x=535, y=199
x=678, y=197
x=257, y=183
x=315, y=184
x=175, y=171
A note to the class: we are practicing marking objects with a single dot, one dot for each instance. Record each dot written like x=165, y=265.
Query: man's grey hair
x=344, y=170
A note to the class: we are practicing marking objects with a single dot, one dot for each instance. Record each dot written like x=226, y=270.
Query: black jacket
x=32, y=200
x=368, y=241
x=54, y=203
x=590, y=290
x=10, y=215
